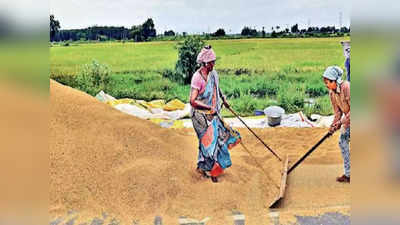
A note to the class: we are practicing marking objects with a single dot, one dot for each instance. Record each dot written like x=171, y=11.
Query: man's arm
x=346, y=118
x=338, y=114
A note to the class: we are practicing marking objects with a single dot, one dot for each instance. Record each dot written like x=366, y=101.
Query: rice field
x=254, y=73
x=258, y=55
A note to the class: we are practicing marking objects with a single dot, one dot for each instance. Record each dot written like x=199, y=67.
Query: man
x=339, y=92
x=346, y=53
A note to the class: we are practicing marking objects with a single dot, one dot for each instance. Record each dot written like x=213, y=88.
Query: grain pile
x=311, y=188
x=102, y=160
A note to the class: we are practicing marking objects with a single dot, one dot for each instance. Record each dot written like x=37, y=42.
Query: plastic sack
x=134, y=111
x=174, y=105
x=322, y=121
x=120, y=101
x=155, y=104
x=168, y=123
x=103, y=97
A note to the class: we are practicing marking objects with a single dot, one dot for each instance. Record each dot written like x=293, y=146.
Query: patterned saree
x=215, y=137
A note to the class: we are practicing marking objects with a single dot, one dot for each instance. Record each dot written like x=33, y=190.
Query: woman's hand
x=195, y=103
x=211, y=111
x=210, y=114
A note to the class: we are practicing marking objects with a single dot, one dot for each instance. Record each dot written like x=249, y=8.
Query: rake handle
x=309, y=152
x=234, y=113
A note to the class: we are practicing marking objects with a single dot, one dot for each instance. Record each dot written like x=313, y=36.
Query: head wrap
x=334, y=73
x=206, y=55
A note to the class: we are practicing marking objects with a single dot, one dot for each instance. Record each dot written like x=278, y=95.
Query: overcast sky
x=201, y=16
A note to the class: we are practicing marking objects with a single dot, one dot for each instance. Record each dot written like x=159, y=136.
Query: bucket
x=274, y=115
x=274, y=120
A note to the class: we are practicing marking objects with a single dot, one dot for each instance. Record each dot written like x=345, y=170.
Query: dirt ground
x=102, y=160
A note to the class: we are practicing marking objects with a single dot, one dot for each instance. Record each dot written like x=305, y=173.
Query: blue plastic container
x=258, y=112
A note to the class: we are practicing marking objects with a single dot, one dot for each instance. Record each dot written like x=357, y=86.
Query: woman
x=215, y=138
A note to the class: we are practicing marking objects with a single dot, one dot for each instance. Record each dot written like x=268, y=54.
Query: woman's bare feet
x=202, y=173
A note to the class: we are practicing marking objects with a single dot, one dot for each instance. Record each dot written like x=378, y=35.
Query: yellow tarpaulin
x=174, y=105
x=168, y=123
x=155, y=104
x=120, y=101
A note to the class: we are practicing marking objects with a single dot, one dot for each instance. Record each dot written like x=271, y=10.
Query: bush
x=242, y=71
x=93, y=78
x=173, y=76
x=316, y=90
x=291, y=98
x=321, y=106
x=247, y=104
x=187, y=55
x=266, y=87
x=146, y=86
x=66, y=79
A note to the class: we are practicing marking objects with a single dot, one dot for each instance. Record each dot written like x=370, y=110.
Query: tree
x=295, y=28
x=344, y=30
x=263, y=32
x=187, y=55
x=81, y=36
x=136, y=33
x=169, y=33
x=247, y=31
x=54, y=27
x=273, y=34
x=220, y=32
x=101, y=37
x=143, y=32
x=148, y=29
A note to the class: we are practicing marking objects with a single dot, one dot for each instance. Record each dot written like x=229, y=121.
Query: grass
x=254, y=73
x=255, y=55
x=147, y=87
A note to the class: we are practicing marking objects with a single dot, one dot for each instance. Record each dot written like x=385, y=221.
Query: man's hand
x=331, y=130
x=335, y=127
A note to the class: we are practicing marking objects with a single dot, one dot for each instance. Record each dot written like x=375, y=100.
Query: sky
x=201, y=16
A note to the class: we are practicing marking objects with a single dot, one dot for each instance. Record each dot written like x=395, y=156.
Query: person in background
x=215, y=137
x=339, y=92
x=346, y=53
